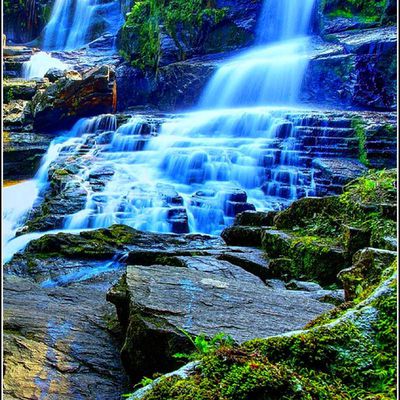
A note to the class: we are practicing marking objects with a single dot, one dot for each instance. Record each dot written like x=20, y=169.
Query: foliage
x=368, y=10
x=359, y=130
x=204, y=345
x=143, y=21
x=182, y=20
x=142, y=383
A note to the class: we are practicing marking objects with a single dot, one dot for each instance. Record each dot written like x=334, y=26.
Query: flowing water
x=71, y=21
x=39, y=64
x=70, y=27
x=69, y=24
x=194, y=172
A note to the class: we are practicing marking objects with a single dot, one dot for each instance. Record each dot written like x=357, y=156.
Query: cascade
x=39, y=64
x=69, y=24
x=19, y=199
x=194, y=172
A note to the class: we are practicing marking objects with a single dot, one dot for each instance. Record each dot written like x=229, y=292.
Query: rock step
x=315, y=121
x=338, y=150
x=329, y=140
x=324, y=131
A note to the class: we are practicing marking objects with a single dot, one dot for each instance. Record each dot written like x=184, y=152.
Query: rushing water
x=71, y=21
x=69, y=24
x=39, y=64
x=195, y=171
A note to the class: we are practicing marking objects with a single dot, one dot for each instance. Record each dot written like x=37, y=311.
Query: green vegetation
x=366, y=204
x=359, y=130
x=182, y=19
x=204, y=345
x=367, y=10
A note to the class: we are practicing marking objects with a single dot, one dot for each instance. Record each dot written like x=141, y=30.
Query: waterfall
x=272, y=72
x=69, y=24
x=194, y=172
x=283, y=20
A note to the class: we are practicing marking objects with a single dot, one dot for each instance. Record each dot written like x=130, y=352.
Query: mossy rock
x=311, y=258
x=366, y=10
x=302, y=210
x=99, y=244
x=368, y=266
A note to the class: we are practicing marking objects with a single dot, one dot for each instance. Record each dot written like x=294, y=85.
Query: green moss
x=368, y=11
x=314, y=241
x=98, y=244
x=359, y=130
x=182, y=19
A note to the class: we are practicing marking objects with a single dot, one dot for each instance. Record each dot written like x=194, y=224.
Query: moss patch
x=367, y=10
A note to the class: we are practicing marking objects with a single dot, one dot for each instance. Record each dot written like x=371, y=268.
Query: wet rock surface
x=191, y=282
x=57, y=344
x=64, y=102
x=22, y=153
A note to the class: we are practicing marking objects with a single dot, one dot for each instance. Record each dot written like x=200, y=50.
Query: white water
x=39, y=64
x=69, y=24
x=191, y=168
x=272, y=72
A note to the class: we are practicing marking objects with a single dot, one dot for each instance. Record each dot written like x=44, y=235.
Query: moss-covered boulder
x=304, y=209
x=368, y=266
x=308, y=257
x=99, y=244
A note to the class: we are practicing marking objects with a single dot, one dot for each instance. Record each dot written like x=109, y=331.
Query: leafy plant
x=203, y=345
x=142, y=383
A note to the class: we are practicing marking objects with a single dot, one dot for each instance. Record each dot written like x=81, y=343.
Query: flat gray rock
x=207, y=296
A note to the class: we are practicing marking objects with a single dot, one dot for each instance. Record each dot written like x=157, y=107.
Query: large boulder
x=156, y=303
x=68, y=99
x=347, y=346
